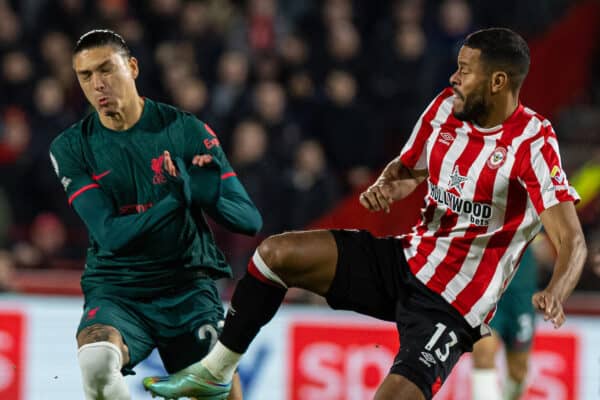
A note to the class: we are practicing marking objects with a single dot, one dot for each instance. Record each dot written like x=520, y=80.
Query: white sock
x=221, y=362
x=513, y=389
x=485, y=384
x=100, y=364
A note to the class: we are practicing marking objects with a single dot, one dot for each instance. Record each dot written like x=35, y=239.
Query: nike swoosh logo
x=101, y=175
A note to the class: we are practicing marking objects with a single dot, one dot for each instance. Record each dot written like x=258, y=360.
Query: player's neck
x=125, y=117
x=504, y=107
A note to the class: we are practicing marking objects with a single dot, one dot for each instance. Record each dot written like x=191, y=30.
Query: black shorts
x=373, y=278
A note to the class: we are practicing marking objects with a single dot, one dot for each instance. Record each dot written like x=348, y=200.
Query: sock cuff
x=484, y=371
x=99, y=345
x=260, y=270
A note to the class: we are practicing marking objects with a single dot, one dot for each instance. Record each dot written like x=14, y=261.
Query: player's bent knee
x=274, y=251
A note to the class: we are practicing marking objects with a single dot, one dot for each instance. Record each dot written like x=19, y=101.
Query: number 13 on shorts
x=441, y=355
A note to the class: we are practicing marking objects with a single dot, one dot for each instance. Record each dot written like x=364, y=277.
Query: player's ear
x=499, y=81
x=133, y=67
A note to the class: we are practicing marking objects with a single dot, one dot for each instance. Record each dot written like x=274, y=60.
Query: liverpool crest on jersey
x=157, y=167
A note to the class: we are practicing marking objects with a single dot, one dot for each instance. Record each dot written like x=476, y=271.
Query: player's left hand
x=200, y=160
x=168, y=164
x=550, y=305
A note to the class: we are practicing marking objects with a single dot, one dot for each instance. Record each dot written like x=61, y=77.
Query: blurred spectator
x=69, y=16
x=294, y=52
x=10, y=28
x=312, y=188
x=346, y=132
x=161, y=18
x=55, y=49
x=197, y=27
x=303, y=104
x=267, y=67
x=51, y=112
x=191, y=95
x=17, y=78
x=109, y=12
x=134, y=33
x=15, y=135
x=46, y=246
x=270, y=107
x=254, y=167
x=261, y=28
x=343, y=50
x=399, y=100
x=230, y=92
x=454, y=22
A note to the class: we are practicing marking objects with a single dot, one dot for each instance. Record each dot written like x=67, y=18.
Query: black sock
x=253, y=304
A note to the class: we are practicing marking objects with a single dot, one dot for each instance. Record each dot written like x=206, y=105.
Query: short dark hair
x=102, y=37
x=502, y=49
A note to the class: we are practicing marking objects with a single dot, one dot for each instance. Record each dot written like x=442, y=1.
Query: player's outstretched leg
x=303, y=259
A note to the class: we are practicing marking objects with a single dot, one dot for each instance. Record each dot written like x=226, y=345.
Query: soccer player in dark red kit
x=141, y=175
x=494, y=177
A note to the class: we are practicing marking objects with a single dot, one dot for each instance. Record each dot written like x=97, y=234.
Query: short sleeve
x=542, y=175
x=70, y=169
x=414, y=152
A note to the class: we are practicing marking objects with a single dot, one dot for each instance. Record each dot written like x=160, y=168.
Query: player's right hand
x=178, y=177
x=549, y=304
x=377, y=197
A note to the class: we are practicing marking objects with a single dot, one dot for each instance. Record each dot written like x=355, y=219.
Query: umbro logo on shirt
x=446, y=138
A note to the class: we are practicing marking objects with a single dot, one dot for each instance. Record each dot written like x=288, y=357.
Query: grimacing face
x=106, y=77
x=470, y=84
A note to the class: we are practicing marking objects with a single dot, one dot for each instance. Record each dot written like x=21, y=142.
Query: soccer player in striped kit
x=494, y=177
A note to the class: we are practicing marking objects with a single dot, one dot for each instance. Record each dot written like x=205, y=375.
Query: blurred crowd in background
x=309, y=98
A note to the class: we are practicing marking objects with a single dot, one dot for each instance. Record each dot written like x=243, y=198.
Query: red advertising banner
x=339, y=362
x=11, y=354
x=348, y=362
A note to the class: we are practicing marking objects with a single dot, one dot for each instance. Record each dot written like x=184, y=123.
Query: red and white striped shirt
x=486, y=189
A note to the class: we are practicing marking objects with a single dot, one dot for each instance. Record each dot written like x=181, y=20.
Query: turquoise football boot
x=201, y=386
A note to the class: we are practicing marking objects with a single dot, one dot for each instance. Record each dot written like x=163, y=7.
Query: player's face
x=106, y=77
x=470, y=84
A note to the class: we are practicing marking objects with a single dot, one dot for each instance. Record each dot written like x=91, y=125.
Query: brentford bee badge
x=497, y=158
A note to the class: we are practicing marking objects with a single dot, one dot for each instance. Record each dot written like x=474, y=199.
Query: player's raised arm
x=111, y=231
x=215, y=186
